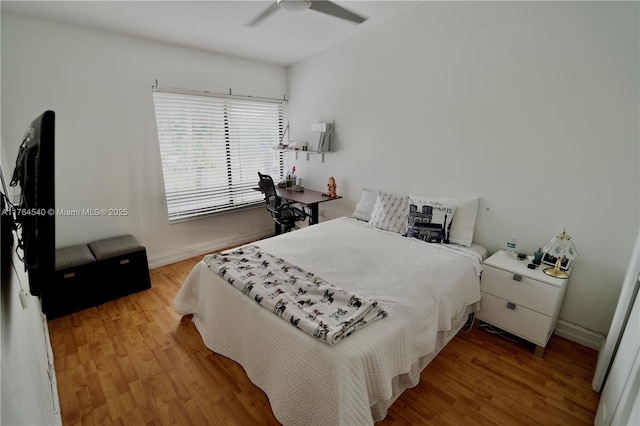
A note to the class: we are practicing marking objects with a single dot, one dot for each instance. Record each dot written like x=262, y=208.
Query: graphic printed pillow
x=430, y=222
x=465, y=217
x=389, y=212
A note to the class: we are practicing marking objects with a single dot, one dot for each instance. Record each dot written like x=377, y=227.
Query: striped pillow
x=390, y=212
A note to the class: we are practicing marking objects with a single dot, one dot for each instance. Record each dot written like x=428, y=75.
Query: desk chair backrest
x=269, y=190
x=284, y=214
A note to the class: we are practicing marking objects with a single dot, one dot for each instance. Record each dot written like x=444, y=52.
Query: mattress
x=426, y=289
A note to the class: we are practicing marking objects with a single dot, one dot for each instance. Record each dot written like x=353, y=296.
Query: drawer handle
x=517, y=277
x=69, y=275
x=124, y=261
x=511, y=305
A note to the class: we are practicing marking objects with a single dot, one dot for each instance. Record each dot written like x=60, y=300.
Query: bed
x=427, y=292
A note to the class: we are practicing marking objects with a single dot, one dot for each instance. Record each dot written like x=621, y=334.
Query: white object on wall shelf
x=321, y=137
x=525, y=302
x=321, y=141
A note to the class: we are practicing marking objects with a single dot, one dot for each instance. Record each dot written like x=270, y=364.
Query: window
x=212, y=147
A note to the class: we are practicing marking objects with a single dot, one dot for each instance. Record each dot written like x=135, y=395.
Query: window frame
x=238, y=134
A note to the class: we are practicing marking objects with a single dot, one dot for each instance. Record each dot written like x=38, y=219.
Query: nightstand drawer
x=521, y=290
x=523, y=322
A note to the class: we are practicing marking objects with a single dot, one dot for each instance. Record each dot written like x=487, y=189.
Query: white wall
x=107, y=156
x=531, y=106
x=29, y=396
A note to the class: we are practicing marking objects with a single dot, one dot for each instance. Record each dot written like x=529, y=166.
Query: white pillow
x=390, y=212
x=429, y=221
x=464, y=220
x=365, y=205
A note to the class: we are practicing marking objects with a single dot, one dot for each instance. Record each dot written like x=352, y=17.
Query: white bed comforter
x=421, y=286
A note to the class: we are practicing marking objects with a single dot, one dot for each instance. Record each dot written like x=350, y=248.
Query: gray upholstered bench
x=91, y=274
x=68, y=258
x=122, y=265
x=114, y=247
x=75, y=282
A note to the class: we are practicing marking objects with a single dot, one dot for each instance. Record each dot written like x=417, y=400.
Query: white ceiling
x=283, y=38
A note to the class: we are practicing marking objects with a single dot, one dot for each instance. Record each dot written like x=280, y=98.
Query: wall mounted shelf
x=308, y=153
x=321, y=141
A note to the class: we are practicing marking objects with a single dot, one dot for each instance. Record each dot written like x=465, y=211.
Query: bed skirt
x=267, y=368
x=410, y=379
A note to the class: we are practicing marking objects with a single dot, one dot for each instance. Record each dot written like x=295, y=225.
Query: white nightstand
x=522, y=301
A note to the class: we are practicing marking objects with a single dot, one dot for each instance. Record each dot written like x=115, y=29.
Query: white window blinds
x=212, y=148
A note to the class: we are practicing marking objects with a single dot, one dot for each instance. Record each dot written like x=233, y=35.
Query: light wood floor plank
x=135, y=361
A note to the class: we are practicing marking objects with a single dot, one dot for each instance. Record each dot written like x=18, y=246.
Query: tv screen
x=35, y=215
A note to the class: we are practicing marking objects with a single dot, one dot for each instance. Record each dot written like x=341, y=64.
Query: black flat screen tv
x=35, y=215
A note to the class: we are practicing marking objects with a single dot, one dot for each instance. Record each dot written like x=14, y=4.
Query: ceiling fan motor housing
x=323, y=6
x=294, y=5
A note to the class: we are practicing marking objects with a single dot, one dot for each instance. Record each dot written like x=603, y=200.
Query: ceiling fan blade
x=268, y=11
x=333, y=9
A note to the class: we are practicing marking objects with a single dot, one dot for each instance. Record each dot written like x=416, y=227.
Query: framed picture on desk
x=551, y=261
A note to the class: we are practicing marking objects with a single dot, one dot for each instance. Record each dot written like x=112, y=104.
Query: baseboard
x=580, y=335
x=184, y=253
x=51, y=371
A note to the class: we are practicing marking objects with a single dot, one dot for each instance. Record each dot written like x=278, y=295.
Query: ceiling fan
x=322, y=6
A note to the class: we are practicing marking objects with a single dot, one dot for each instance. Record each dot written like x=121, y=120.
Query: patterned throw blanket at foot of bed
x=305, y=300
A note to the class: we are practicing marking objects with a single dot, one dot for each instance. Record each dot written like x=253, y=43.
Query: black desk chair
x=284, y=214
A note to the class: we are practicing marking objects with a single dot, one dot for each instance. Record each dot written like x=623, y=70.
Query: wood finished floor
x=134, y=361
